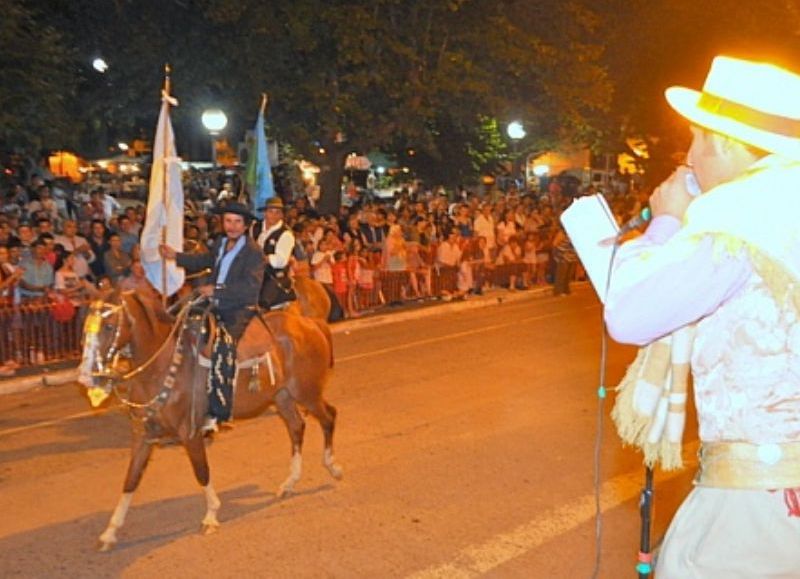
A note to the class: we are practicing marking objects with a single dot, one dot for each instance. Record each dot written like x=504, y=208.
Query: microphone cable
x=601, y=397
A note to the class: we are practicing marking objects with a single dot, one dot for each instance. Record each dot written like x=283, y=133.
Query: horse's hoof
x=285, y=491
x=209, y=529
x=105, y=546
x=336, y=471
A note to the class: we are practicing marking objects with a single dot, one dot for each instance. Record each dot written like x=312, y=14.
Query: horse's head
x=106, y=331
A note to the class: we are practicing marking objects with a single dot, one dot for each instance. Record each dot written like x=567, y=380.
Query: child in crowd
x=355, y=262
x=368, y=284
x=341, y=282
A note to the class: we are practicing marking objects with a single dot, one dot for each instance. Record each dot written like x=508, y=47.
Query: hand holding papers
x=589, y=222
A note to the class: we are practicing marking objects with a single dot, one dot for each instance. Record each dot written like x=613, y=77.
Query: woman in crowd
x=507, y=228
x=395, y=262
x=511, y=256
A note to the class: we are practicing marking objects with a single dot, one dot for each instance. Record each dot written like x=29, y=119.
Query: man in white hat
x=728, y=261
x=277, y=241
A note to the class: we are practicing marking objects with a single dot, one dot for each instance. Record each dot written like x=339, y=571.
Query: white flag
x=164, y=207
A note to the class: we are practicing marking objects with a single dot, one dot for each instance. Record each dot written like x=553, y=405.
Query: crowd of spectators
x=62, y=246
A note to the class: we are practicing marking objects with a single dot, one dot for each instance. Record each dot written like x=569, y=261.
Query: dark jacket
x=243, y=282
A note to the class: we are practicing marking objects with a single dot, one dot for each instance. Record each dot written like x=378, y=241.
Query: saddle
x=257, y=346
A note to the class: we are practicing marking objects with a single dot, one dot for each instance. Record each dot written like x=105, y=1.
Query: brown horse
x=285, y=360
x=312, y=299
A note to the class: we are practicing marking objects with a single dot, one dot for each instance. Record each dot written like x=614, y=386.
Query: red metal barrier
x=393, y=286
x=30, y=335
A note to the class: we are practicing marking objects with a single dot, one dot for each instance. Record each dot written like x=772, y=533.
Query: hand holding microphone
x=672, y=197
x=675, y=194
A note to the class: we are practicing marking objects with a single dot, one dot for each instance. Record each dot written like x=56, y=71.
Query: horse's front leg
x=140, y=454
x=196, y=449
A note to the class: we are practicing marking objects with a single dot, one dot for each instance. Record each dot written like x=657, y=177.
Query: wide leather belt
x=743, y=465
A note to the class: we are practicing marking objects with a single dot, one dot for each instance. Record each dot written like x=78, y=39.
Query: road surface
x=467, y=440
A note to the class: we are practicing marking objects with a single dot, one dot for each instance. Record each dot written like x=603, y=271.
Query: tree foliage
x=37, y=80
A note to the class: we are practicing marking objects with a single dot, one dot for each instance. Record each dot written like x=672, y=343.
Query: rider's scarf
x=225, y=258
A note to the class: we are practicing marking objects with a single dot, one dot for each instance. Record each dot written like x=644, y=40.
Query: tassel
x=255, y=383
x=792, y=499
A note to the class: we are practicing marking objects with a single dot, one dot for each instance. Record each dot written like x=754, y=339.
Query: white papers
x=589, y=222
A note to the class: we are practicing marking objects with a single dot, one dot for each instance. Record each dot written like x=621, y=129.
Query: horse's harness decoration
x=100, y=313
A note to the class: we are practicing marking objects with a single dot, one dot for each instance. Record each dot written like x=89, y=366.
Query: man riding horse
x=278, y=242
x=237, y=268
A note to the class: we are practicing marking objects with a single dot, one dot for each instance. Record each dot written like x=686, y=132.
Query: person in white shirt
x=78, y=246
x=321, y=264
x=484, y=226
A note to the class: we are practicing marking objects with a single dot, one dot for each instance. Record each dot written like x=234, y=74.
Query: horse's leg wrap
x=109, y=537
x=330, y=463
x=295, y=471
x=210, y=522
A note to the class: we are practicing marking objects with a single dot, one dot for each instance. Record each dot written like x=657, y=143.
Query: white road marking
x=53, y=422
x=446, y=337
x=476, y=560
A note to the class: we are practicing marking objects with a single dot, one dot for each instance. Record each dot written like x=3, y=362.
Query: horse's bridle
x=99, y=312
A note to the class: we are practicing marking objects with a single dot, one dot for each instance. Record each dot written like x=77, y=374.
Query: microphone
x=692, y=187
x=635, y=222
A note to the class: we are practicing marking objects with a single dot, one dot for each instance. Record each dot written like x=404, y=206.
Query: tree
x=354, y=75
x=345, y=76
x=38, y=80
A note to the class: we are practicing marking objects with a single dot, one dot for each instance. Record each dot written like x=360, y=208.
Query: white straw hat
x=753, y=102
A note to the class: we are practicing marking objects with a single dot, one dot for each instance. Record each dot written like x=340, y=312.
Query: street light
x=100, y=65
x=214, y=120
x=515, y=132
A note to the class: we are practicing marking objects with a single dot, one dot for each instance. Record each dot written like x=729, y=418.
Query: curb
x=42, y=379
x=495, y=298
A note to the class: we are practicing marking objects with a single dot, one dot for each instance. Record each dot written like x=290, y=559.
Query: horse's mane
x=151, y=304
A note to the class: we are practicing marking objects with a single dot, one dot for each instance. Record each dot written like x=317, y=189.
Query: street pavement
x=467, y=436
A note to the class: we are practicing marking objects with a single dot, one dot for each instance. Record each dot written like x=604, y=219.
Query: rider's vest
x=269, y=249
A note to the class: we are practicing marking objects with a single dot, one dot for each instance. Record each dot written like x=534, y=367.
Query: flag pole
x=165, y=189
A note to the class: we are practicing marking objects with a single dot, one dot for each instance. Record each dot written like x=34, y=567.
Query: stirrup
x=210, y=425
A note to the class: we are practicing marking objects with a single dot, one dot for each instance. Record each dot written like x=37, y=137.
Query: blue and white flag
x=259, y=169
x=164, y=223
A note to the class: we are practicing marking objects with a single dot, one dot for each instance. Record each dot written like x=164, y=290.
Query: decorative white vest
x=746, y=367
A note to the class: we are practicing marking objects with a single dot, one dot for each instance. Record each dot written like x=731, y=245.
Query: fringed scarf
x=650, y=411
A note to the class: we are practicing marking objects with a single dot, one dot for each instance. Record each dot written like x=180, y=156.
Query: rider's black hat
x=236, y=208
